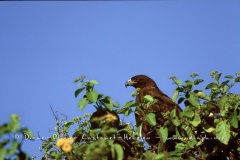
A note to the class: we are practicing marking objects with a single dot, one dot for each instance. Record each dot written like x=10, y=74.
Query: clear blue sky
x=44, y=46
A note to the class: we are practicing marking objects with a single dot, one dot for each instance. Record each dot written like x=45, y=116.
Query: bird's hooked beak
x=130, y=82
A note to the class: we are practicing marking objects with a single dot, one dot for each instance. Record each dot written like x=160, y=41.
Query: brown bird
x=146, y=86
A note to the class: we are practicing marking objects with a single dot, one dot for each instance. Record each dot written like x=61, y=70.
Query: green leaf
x=100, y=96
x=178, y=132
x=223, y=132
x=14, y=147
x=89, y=86
x=58, y=156
x=163, y=133
x=129, y=104
x=229, y=77
x=189, y=85
x=94, y=82
x=180, y=148
x=118, y=152
x=2, y=153
x=53, y=153
x=189, y=132
x=108, y=131
x=188, y=112
x=196, y=121
x=82, y=103
x=224, y=89
x=175, y=95
x=234, y=120
x=3, y=129
x=213, y=95
x=179, y=82
x=191, y=143
x=201, y=94
x=4, y=142
x=224, y=86
x=80, y=78
x=48, y=147
x=173, y=113
x=107, y=102
x=139, y=129
x=180, y=100
x=14, y=125
x=78, y=91
x=128, y=112
x=224, y=83
x=207, y=128
x=223, y=113
x=92, y=96
x=126, y=107
x=67, y=125
x=27, y=133
x=45, y=143
x=193, y=99
x=217, y=76
x=174, y=118
x=151, y=119
x=14, y=118
x=213, y=86
x=197, y=81
x=148, y=155
x=237, y=79
x=148, y=98
x=117, y=105
x=134, y=94
x=159, y=156
x=223, y=102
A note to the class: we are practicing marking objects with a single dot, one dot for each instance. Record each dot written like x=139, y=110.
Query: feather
x=163, y=104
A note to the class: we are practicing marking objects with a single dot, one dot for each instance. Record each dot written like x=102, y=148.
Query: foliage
x=11, y=139
x=210, y=120
x=207, y=128
x=100, y=135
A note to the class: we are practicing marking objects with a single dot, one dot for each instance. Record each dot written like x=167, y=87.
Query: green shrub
x=11, y=139
x=208, y=127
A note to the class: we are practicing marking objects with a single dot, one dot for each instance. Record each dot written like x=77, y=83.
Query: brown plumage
x=146, y=86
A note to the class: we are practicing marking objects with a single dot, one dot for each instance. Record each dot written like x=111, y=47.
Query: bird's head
x=140, y=81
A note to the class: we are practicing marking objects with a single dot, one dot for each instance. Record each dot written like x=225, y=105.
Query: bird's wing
x=163, y=104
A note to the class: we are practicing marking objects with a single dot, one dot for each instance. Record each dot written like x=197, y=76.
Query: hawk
x=146, y=86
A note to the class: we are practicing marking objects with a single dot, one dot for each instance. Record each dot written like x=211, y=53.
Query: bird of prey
x=146, y=86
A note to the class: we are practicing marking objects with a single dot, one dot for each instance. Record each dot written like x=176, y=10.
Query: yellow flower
x=110, y=117
x=65, y=144
x=60, y=142
x=68, y=140
x=67, y=147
